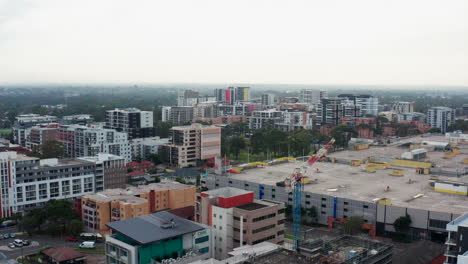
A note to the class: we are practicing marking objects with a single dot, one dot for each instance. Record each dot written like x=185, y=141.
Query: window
x=365, y=206
x=324, y=199
x=261, y=229
x=307, y=195
x=201, y=239
x=346, y=203
x=438, y=223
x=307, y=202
x=261, y=218
x=324, y=206
x=346, y=209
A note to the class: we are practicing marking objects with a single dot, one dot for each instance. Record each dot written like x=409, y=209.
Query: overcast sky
x=415, y=42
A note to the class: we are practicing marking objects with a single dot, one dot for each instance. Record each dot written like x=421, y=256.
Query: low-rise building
x=157, y=237
x=238, y=219
x=118, y=204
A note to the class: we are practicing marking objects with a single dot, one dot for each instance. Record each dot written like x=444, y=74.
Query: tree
x=237, y=143
x=30, y=223
x=312, y=212
x=74, y=227
x=402, y=223
x=162, y=129
x=342, y=135
x=51, y=149
x=180, y=180
x=435, y=130
x=352, y=226
x=459, y=124
x=154, y=157
x=157, y=179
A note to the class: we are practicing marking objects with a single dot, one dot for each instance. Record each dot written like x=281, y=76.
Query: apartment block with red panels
x=238, y=218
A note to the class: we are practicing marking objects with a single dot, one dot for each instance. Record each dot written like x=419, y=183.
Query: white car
x=88, y=244
x=18, y=242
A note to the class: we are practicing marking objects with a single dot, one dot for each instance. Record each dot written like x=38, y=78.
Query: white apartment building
x=81, y=141
x=403, y=107
x=268, y=99
x=311, y=96
x=440, y=117
x=29, y=182
x=369, y=104
x=177, y=114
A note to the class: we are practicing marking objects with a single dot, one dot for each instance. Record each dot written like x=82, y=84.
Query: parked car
x=71, y=239
x=26, y=242
x=18, y=242
x=6, y=236
x=12, y=235
x=88, y=244
x=11, y=245
x=1, y=236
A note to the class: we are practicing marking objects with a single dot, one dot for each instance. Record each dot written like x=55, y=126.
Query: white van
x=88, y=244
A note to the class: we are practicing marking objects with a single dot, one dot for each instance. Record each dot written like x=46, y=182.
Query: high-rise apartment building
x=177, y=114
x=440, y=117
x=282, y=120
x=403, y=107
x=206, y=110
x=189, y=145
x=268, y=99
x=81, y=141
x=29, y=182
x=369, y=105
x=238, y=219
x=132, y=121
x=241, y=93
x=330, y=110
x=311, y=96
x=119, y=204
x=23, y=123
x=111, y=171
x=187, y=98
x=232, y=94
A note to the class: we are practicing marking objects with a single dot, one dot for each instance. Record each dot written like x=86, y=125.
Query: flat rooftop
x=395, y=150
x=351, y=182
x=226, y=192
x=129, y=194
x=252, y=206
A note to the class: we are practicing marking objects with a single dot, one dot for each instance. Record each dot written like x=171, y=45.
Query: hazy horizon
x=365, y=43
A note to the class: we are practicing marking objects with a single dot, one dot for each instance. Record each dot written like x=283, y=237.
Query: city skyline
x=302, y=42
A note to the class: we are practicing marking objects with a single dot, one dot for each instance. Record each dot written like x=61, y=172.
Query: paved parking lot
x=37, y=242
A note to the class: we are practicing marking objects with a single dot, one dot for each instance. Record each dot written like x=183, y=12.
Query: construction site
x=422, y=176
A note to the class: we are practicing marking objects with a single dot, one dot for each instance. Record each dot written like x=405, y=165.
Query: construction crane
x=294, y=183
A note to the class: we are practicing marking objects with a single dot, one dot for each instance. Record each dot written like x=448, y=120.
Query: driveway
x=37, y=242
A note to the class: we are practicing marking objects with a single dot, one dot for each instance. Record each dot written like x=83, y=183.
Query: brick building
x=118, y=204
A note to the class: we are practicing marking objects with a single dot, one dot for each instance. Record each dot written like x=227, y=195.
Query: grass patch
x=5, y=132
x=91, y=250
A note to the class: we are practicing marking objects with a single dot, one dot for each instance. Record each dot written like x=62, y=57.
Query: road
x=37, y=242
